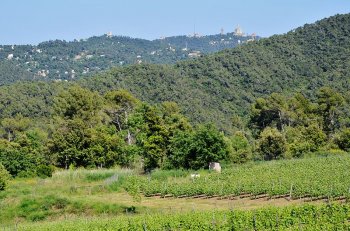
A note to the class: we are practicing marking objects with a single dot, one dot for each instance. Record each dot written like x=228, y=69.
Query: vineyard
x=307, y=217
x=242, y=197
x=318, y=178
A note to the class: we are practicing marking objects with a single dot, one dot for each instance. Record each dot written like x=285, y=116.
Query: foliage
x=214, y=87
x=343, y=139
x=271, y=144
x=207, y=146
x=329, y=217
x=16, y=161
x=195, y=150
x=44, y=171
x=4, y=177
x=241, y=148
x=320, y=176
x=329, y=102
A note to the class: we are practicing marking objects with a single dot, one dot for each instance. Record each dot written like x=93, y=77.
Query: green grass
x=54, y=206
x=90, y=175
x=66, y=193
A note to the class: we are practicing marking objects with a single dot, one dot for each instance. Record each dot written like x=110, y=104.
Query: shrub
x=343, y=139
x=44, y=171
x=4, y=177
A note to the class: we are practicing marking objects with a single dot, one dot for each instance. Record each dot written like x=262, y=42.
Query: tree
x=302, y=111
x=343, y=139
x=304, y=139
x=315, y=136
x=329, y=103
x=120, y=104
x=16, y=160
x=271, y=144
x=83, y=135
x=68, y=141
x=14, y=125
x=173, y=119
x=241, y=149
x=154, y=151
x=74, y=143
x=179, y=149
x=196, y=149
x=4, y=177
x=77, y=102
x=153, y=137
x=272, y=111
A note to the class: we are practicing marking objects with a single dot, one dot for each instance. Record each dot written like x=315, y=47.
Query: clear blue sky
x=34, y=21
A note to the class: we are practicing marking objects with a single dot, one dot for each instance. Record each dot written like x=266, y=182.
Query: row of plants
x=306, y=217
x=326, y=177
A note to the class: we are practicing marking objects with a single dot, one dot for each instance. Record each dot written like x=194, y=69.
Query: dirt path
x=188, y=204
x=214, y=203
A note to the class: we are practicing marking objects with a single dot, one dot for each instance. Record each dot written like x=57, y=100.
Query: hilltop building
x=194, y=54
x=109, y=34
x=238, y=31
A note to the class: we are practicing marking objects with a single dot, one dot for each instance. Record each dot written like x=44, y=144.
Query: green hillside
x=214, y=87
x=62, y=60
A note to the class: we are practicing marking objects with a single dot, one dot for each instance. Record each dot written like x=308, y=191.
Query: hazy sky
x=33, y=21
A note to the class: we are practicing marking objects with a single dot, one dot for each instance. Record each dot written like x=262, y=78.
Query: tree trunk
x=118, y=123
x=66, y=162
x=281, y=121
x=129, y=138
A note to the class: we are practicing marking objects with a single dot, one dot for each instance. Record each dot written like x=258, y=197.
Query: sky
x=35, y=21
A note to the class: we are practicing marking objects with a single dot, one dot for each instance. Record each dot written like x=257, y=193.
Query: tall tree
x=120, y=104
x=271, y=111
x=14, y=125
x=329, y=104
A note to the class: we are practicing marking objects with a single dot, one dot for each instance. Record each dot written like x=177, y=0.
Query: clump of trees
x=87, y=129
x=83, y=128
x=294, y=126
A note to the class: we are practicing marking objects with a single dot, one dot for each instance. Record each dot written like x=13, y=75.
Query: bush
x=343, y=139
x=39, y=208
x=298, y=149
x=30, y=173
x=44, y=171
x=17, y=160
x=4, y=177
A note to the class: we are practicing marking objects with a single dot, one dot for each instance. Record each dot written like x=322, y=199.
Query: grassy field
x=91, y=199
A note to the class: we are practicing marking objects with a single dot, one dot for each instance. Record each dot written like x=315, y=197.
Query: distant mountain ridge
x=61, y=60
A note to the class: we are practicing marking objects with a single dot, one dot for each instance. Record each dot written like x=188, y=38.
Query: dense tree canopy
x=214, y=87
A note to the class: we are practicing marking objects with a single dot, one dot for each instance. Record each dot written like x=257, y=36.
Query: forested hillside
x=62, y=60
x=282, y=97
x=215, y=87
